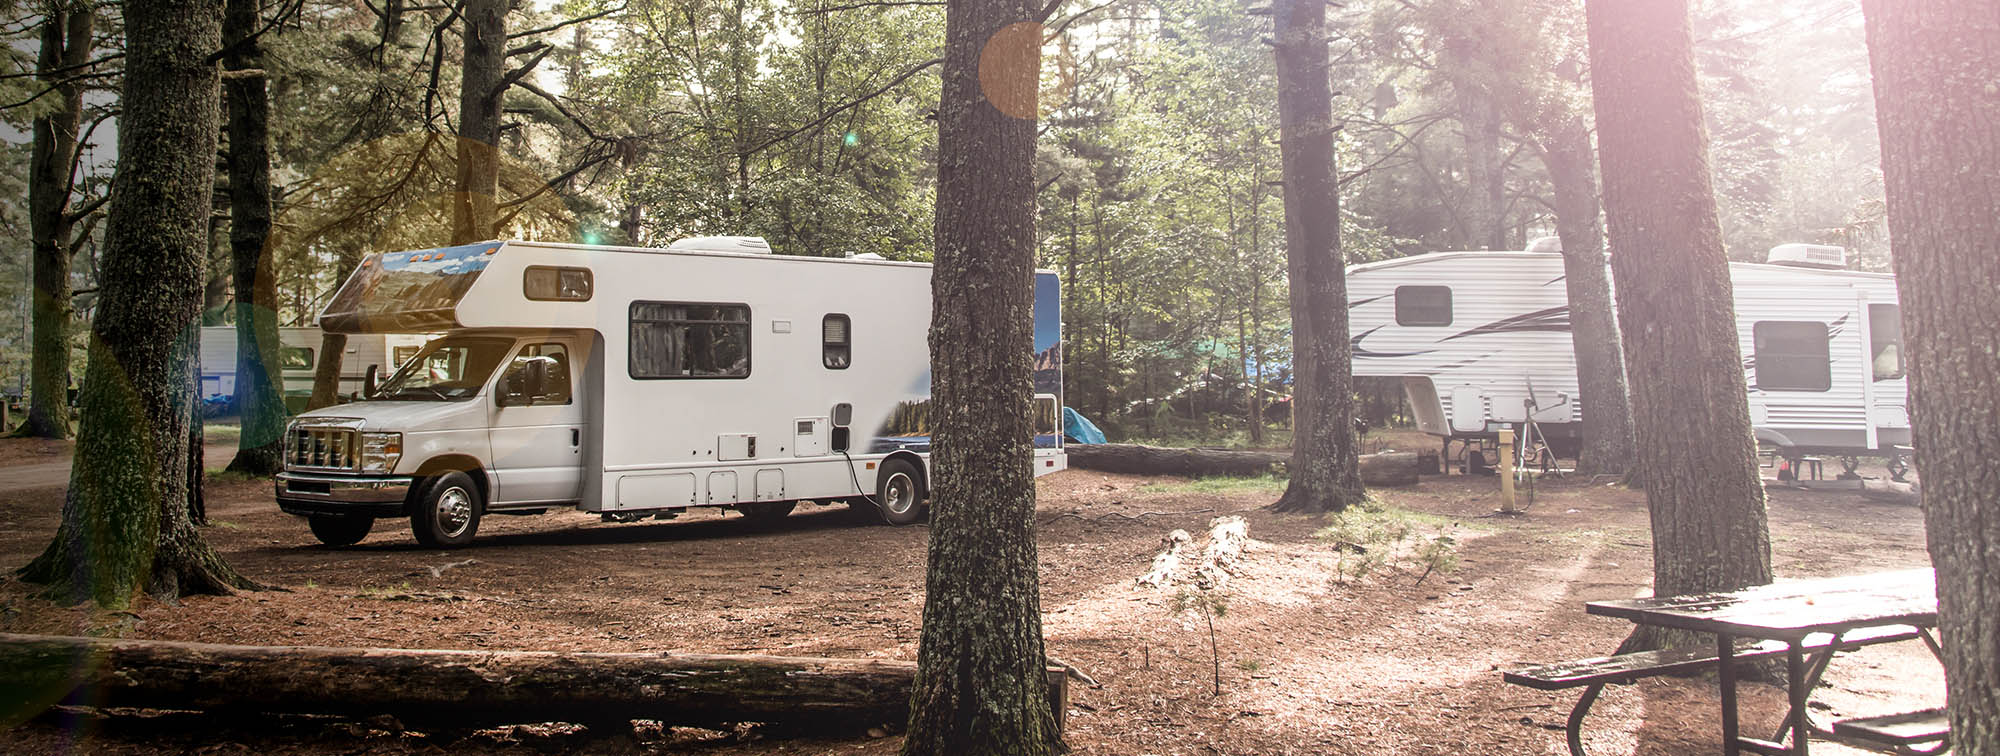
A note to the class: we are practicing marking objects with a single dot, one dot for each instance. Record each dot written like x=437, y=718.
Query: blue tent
x=1079, y=429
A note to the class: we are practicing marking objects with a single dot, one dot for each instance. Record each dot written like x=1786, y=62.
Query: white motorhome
x=298, y=357
x=1472, y=334
x=633, y=383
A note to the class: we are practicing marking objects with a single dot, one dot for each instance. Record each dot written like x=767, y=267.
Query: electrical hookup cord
x=857, y=481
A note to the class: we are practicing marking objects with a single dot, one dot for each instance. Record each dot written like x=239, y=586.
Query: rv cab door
x=536, y=429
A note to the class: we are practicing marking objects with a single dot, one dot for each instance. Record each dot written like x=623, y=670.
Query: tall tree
x=65, y=53
x=1935, y=64
x=1689, y=406
x=260, y=398
x=1324, y=477
x=482, y=82
x=980, y=686
x=126, y=524
x=1593, y=325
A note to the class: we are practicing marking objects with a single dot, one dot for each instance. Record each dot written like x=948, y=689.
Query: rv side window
x=689, y=340
x=553, y=362
x=1423, y=305
x=836, y=342
x=1791, y=356
x=1885, y=341
x=295, y=358
x=545, y=284
x=403, y=354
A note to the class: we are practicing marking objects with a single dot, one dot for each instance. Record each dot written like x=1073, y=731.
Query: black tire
x=900, y=493
x=340, y=530
x=447, y=514
x=766, y=511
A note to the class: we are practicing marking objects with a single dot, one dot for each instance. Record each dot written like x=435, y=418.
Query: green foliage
x=1371, y=537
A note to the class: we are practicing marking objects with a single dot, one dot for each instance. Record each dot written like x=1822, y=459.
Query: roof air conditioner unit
x=1808, y=256
x=1545, y=244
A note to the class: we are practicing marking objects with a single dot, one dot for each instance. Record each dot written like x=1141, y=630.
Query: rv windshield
x=446, y=370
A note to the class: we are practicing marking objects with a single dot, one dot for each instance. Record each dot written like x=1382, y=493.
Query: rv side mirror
x=514, y=389
x=369, y=381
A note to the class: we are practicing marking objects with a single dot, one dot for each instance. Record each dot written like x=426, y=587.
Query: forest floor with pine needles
x=1322, y=648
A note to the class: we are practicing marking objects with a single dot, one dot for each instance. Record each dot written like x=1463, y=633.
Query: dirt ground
x=1379, y=664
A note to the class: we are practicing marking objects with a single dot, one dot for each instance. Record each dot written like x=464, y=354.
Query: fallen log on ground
x=1385, y=469
x=458, y=690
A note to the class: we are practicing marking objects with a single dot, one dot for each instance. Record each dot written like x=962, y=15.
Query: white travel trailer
x=298, y=357
x=1472, y=334
x=634, y=383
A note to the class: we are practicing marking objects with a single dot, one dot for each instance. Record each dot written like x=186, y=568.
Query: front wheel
x=447, y=515
x=340, y=530
x=900, y=493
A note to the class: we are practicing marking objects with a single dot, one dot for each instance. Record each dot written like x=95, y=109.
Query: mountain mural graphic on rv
x=909, y=425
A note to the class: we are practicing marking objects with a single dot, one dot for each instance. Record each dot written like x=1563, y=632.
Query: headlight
x=380, y=452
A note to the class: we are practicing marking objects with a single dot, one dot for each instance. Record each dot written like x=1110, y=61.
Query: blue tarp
x=1079, y=429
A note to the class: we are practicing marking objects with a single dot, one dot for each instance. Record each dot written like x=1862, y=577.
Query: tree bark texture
x=1689, y=407
x=1593, y=325
x=480, y=86
x=1936, y=64
x=1324, y=478
x=1468, y=62
x=457, y=689
x=126, y=524
x=260, y=399
x=1384, y=469
x=980, y=688
x=51, y=172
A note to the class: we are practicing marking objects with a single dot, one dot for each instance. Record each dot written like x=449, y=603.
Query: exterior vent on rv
x=748, y=244
x=1808, y=256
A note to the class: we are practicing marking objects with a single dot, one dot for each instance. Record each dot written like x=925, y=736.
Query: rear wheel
x=447, y=515
x=340, y=530
x=900, y=493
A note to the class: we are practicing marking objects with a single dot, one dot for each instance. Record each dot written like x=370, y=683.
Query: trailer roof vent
x=748, y=244
x=1808, y=256
x=1545, y=244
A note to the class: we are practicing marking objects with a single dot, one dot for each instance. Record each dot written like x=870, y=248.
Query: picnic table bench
x=1806, y=622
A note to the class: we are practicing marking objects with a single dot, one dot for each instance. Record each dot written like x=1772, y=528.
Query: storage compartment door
x=1468, y=410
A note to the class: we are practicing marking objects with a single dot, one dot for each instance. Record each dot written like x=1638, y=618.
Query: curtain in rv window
x=836, y=342
x=1423, y=305
x=689, y=340
x=1885, y=341
x=1791, y=355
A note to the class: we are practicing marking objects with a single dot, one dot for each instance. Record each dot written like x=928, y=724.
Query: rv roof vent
x=1808, y=256
x=750, y=244
x=1545, y=244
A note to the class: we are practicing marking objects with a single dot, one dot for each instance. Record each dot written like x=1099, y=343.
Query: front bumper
x=309, y=494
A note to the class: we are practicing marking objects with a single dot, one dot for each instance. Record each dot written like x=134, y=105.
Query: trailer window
x=295, y=358
x=689, y=340
x=546, y=284
x=836, y=342
x=1885, y=341
x=403, y=354
x=1423, y=305
x=1791, y=356
x=553, y=360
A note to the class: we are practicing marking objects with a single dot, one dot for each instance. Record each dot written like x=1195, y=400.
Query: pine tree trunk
x=478, y=177
x=980, y=686
x=1323, y=474
x=126, y=524
x=1689, y=408
x=65, y=46
x=260, y=399
x=1936, y=63
x=1600, y=368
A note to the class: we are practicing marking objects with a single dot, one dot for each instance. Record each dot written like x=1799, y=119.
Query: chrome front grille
x=310, y=447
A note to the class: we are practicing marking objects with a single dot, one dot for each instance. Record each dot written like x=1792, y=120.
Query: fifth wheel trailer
x=299, y=355
x=635, y=383
x=1476, y=335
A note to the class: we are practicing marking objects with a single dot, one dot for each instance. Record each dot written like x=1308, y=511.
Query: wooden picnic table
x=1790, y=612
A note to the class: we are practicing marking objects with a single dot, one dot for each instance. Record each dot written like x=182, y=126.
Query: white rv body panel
x=822, y=334
x=1508, y=332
